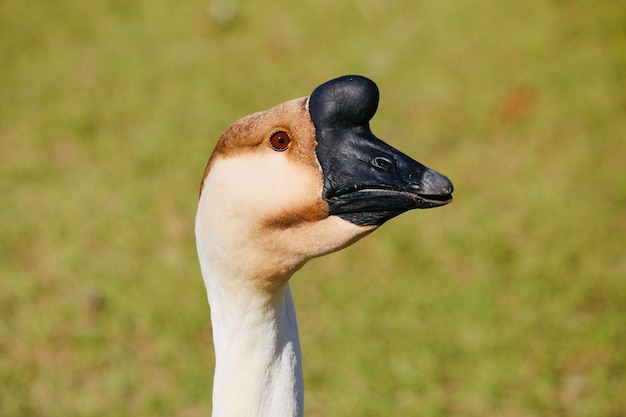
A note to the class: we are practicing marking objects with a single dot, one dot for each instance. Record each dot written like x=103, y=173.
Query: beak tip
x=436, y=183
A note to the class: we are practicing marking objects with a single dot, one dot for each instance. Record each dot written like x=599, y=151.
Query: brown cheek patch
x=296, y=216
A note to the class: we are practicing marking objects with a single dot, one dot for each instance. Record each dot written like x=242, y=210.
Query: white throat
x=258, y=370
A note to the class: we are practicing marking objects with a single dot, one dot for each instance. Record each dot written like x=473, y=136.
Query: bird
x=282, y=186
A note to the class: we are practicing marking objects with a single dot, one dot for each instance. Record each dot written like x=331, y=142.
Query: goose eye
x=280, y=141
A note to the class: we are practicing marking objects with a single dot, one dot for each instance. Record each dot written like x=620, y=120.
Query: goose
x=282, y=186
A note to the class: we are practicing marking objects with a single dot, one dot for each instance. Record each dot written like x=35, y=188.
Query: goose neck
x=258, y=369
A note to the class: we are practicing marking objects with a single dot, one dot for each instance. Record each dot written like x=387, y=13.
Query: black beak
x=366, y=181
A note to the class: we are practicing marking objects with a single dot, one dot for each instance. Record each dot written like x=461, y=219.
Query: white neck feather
x=258, y=369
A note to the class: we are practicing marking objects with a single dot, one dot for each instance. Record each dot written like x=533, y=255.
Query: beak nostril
x=382, y=163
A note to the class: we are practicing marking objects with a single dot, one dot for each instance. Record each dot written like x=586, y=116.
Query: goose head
x=303, y=179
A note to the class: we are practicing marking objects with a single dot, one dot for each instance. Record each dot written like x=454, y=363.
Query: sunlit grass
x=511, y=301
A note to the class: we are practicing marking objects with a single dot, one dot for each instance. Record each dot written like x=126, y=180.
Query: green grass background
x=509, y=302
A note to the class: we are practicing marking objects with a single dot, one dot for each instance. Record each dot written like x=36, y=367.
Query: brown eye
x=280, y=141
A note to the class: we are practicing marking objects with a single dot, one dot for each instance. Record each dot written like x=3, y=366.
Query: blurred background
x=509, y=302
